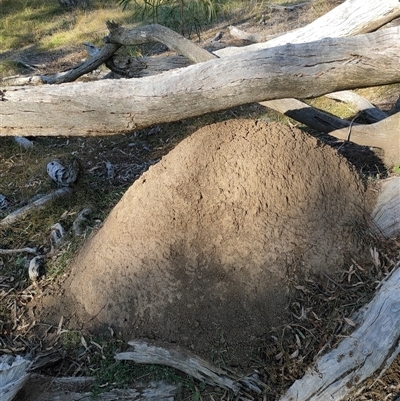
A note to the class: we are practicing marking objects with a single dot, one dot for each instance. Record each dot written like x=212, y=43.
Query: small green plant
x=184, y=16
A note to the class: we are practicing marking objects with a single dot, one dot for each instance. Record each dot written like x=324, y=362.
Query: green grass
x=45, y=24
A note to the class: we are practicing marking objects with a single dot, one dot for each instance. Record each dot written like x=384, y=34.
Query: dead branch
x=20, y=250
x=35, y=205
x=157, y=33
x=192, y=365
x=372, y=113
x=44, y=388
x=242, y=35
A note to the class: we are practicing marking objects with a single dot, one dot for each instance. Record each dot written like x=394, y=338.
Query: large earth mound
x=201, y=250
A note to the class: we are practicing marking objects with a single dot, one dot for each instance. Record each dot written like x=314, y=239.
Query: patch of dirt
x=202, y=249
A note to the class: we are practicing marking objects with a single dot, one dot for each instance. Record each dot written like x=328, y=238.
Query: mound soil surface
x=202, y=250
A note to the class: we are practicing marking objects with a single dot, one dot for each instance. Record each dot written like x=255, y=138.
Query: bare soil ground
x=216, y=211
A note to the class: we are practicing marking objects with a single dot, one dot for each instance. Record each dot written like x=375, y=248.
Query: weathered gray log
x=137, y=67
x=352, y=17
x=386, y=214
x=157, y=33
x=13, y=375
x=19, y=250
x=89, y=65
x=110, y=107
x=192, y=365
x=360, y=355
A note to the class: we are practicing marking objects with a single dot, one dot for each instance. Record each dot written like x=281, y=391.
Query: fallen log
x=353, y=17
x=383, y=13
x=365, y=352
x=110, y=107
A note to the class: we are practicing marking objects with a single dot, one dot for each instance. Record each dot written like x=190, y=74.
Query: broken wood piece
x=87, y=66
x=13, y=375
x=35, y=205
x=386, y=214
x=137, y=67
x=372, y=113
x=192, y=365
x=19, y=250
x=24, y=142
x=360, y=355
x=242, y=35
x=71, y=75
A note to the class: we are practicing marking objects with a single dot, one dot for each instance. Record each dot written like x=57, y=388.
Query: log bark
x=368, y=350
x=110, y=107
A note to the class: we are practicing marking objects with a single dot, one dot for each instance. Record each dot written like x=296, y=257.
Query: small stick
x=349, y=132
x=10, y=251
x=37, y=204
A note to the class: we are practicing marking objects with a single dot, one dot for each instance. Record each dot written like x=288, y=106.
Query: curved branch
x=157, y=33
x=372, y=113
